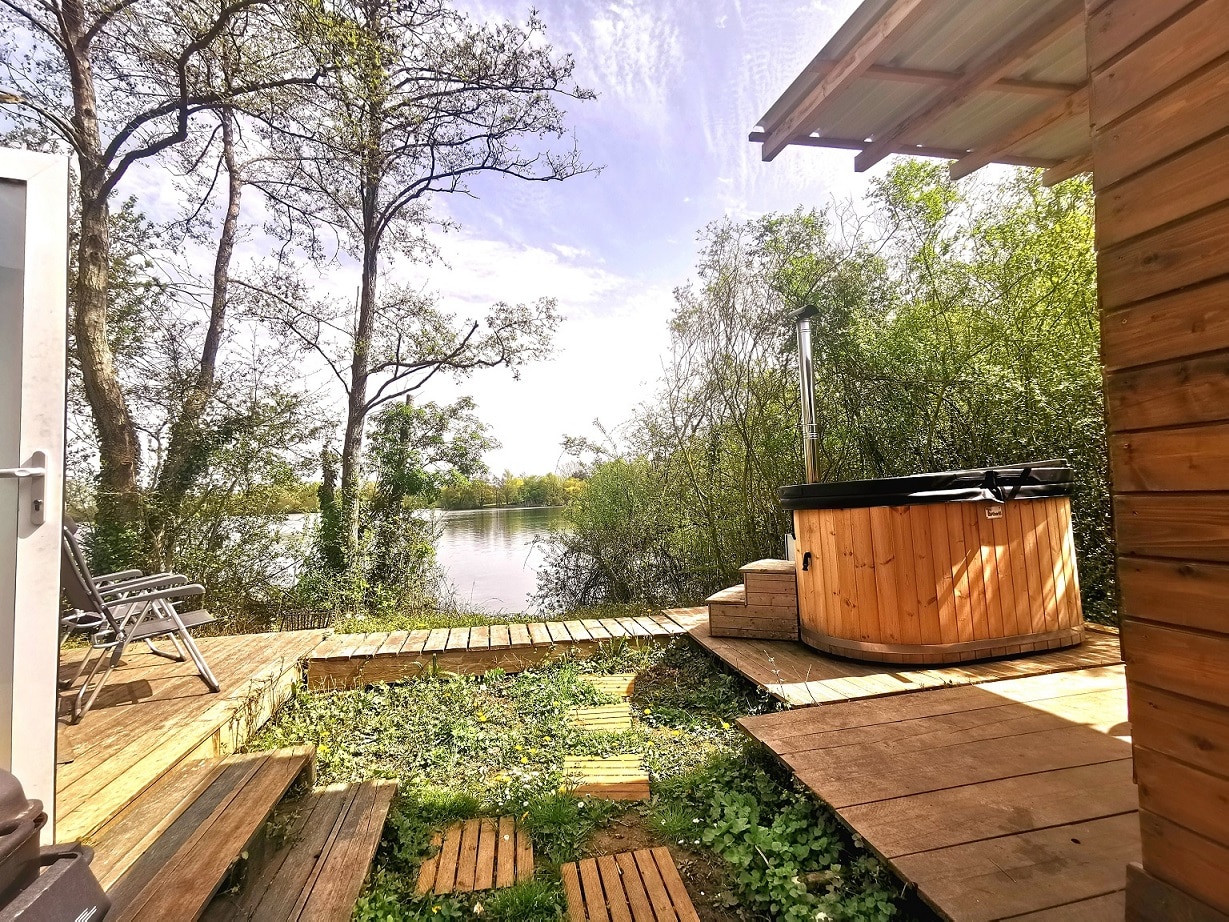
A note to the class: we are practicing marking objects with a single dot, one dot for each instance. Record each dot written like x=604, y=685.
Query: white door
x=33, y=330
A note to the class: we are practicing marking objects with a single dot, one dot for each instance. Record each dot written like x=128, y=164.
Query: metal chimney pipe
x=806, y=379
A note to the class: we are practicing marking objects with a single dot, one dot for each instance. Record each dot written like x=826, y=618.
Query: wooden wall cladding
x=947, y=582
x=1160, y=121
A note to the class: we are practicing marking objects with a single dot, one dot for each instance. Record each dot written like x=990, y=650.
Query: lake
x=490, y=557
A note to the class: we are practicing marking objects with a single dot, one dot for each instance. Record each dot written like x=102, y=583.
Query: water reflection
x=490, y=557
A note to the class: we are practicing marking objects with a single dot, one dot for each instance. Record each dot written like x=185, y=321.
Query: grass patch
x=493, y=745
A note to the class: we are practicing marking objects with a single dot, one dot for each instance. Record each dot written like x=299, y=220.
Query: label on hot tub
x=994, y=511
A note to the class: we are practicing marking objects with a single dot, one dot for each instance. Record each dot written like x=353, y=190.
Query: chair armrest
x=121, y=576
x=172, y=592
x=119, y=592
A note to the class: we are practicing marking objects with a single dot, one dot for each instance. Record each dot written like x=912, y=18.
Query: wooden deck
x=799, y=676
x=154, y=714
x=1008, y=799
x=351, y=660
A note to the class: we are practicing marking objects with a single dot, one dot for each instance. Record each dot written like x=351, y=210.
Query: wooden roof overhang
x=972, y=81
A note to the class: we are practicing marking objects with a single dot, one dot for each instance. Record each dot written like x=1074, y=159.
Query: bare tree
x=419, y=100
x=117, y=83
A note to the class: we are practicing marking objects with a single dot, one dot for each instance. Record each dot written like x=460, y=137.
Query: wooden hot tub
x=938, y=568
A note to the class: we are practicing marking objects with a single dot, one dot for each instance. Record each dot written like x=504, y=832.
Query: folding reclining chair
x=125, y=608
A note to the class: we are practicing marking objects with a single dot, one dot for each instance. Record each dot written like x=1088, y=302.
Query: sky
x=680, y=83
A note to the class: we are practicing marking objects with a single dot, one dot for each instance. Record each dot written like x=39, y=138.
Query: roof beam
x=1075, y=105
x=942, y=153
x=1068, y=168
x=980, y=76
x=856, y=60
x=921, y=77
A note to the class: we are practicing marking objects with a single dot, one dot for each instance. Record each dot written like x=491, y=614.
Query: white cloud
x=633, y=50
x=608, y=349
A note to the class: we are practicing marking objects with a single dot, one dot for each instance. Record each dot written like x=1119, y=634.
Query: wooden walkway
x=1008, y=799
x=351, y=660
x=643, y=885
x=154, y=714
x=477, y=854
x=621, y=777
x=799, y=676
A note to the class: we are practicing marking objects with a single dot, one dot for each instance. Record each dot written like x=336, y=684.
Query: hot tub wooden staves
x=940, y=582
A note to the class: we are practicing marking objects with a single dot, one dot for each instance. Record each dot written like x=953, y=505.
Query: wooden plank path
x=354, y=660
x=601, y=718
x=618, y=685
x=799, y=676
x=643, y=885
x=477, y=854
x=154, y=714
x=1008, y=799
x=621, y=777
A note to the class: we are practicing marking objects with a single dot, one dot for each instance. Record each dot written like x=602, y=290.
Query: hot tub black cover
x=1033, y=480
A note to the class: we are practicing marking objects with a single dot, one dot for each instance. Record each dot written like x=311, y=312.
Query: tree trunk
x=187, y=455
x=118, y=523
x=356, y=406
x=360, y=360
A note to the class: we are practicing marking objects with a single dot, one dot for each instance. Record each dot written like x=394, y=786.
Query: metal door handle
x=36, y=473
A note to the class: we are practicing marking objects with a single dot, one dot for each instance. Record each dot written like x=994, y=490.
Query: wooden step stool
x=764, y=607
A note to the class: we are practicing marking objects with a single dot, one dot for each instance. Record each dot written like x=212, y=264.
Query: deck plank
x=799, y=676
x=512, y=647
x=154, y=714
x=1006, y=798
x=187, y=877
x=1027, y=873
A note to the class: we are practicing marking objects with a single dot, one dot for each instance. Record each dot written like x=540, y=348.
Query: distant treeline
x=460, y=493
x=509, y=490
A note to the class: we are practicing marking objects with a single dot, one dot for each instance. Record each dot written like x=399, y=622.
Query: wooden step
x=477, y=854
x=620, y=685
x=763, y=622
x=318, y=855
x=771, y=582
x=602, y=718
x=179, y=872
x=735, y=595
x=122, y=841
x=769, y=567
x=644, y=884
x=613, y=778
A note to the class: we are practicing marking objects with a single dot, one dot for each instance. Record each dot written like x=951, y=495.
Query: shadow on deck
x=154, y=714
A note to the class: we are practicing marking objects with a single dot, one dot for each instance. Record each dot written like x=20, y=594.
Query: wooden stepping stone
x=620, y=685
x=602, y=718
x=477, y=854
x=640, y=885
x=613, y=778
